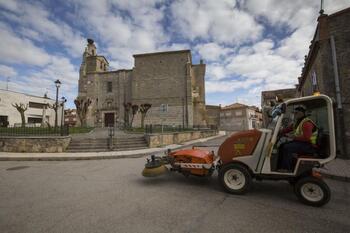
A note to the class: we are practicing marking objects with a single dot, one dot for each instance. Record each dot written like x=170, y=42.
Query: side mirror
x=283, y=108
x=278, y=110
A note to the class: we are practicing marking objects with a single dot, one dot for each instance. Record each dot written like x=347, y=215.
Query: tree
x=21, y=108
x=54, y=107
x=143, y=110
x=134, y=109
x=82, y=105
x=127, y=107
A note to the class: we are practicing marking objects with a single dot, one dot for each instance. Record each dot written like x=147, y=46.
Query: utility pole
x=7, y=83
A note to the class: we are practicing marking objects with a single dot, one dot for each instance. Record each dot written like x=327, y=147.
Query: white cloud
x=37, y=82
x=7, y=71
x=35, y=16
x=122, y=35
x=261, y=66
x=211, y=51
x=278, y=13
x=14, y=49
x=297, y=45
x=216, y=71
x=230, y=86
x=267, y=66
x=214, y=20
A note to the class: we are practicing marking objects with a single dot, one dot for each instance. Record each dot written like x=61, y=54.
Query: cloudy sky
x=248, y=45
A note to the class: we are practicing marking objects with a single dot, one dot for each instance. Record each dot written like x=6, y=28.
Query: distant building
x=270, y=96
x=237, y=117
x=213, y=115
x=167, y=80
x=37, y=114
x=327, y=70
x=70, y=117
x=268, y=100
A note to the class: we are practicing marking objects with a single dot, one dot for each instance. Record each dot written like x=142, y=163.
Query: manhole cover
x=16, y=168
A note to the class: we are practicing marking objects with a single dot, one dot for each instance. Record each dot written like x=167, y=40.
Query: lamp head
x=58, y=83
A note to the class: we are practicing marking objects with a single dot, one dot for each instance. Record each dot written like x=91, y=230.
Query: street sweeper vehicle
x=255, y=154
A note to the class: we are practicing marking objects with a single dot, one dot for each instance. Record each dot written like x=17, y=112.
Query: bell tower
x=91, y=63
x=90, y=48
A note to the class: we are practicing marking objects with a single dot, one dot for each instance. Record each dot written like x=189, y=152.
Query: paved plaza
x=112, y=196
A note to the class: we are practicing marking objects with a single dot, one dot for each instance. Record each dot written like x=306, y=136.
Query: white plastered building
x=37, y=113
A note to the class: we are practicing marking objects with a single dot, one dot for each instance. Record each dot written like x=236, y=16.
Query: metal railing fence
x=34, y=131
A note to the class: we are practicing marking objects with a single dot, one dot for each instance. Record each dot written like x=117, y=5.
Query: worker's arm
x=286, y=130
x=307, y=132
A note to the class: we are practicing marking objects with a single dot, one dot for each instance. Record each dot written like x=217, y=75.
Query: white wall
x=7, y=98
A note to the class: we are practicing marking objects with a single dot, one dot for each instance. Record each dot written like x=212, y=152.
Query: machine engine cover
x=239, y=144
x=194, y=156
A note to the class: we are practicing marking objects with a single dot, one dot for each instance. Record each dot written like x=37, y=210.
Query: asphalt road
x=112, y=196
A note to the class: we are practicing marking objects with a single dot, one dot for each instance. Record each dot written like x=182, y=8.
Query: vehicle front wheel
x=312, y=191
x=235, y=178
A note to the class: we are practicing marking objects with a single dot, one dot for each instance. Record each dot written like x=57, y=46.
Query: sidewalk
x=10, y=156
x=338, y=169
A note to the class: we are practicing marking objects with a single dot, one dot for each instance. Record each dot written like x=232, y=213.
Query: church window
x=109, y=86
x=101, y=66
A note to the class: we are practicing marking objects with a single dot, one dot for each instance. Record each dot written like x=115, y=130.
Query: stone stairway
x=101, y=144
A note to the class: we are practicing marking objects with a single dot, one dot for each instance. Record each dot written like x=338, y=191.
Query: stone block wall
x=198, y=95
x=34, y=144
x=156, y=140
x=320, y=61
x=339, y=27
x=213, y=115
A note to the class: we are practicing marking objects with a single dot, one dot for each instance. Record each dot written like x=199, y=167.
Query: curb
x=72, y=158
x=336, y=177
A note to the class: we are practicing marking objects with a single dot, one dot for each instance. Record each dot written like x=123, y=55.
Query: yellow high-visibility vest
x=298, y=131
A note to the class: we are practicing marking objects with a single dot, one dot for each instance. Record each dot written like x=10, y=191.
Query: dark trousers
x=288, y=150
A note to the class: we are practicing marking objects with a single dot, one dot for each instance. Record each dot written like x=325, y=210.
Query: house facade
x=327, y=71
x=238, y=117
x=37, y=114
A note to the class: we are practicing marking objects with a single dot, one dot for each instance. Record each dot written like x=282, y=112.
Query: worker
x=302, y=134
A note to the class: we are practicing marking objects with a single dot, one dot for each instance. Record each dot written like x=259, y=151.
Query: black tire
x=235, y=178
x=312, y=191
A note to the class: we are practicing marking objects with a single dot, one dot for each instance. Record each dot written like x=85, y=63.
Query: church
x=168, y=81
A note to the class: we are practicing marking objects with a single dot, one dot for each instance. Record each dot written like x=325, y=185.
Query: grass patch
x=75, y=130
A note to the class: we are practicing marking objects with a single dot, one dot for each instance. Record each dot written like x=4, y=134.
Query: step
x=106, y=143
x=106, y=139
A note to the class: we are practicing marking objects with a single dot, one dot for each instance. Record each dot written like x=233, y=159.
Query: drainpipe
x=336, y=74
x=340, y=116
x=186, y=98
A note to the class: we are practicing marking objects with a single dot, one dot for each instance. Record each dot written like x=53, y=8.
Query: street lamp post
x=57, y=84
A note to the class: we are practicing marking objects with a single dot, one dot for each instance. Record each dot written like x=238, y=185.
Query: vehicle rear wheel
x=235, y=178
x=312, y=191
